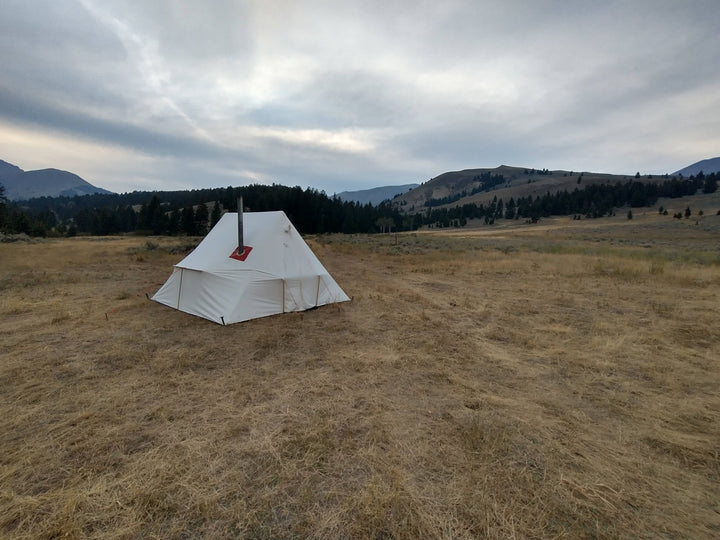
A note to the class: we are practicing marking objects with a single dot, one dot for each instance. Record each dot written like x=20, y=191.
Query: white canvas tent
x=277, y=273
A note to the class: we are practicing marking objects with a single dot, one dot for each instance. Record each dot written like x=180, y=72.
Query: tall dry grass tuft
x=549, y=381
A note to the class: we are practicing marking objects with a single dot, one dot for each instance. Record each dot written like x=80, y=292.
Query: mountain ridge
x=21, y=185
x=482, y=185
x=376, y=195
x=706, y=166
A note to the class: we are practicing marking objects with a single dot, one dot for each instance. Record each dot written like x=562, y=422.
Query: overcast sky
x=343, y=95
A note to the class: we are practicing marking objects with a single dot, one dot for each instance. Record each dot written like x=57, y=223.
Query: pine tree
x=187, y=221
x=3, y=200
x=215, y=215
x=201, y=218
x=710, y=185
x=174, y=222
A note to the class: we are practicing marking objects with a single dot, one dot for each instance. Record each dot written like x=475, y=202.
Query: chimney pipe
x=241, y=238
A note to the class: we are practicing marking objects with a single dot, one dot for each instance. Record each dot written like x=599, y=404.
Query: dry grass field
x=560, y=380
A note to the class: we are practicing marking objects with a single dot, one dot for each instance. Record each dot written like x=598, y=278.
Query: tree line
x=194, y=212
x=190, y=212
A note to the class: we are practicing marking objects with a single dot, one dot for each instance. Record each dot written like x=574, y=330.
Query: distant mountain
x=376, y=195
x=707, y=166
x=481, y=186
x=8, y=170
x=20, y=185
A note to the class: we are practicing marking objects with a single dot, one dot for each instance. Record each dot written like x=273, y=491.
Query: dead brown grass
x=550, y=381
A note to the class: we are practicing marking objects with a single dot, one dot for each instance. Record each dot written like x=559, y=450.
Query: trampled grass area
x=551, y=380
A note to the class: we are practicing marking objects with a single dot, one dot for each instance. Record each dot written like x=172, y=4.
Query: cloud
x=356, y=94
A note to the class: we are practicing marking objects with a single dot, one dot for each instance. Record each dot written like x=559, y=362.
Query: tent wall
x=203, y=294
x=301, y=293
x=169, y=293
x=261, y=298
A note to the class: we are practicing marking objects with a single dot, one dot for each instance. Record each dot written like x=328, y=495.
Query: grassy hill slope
x=517, y=182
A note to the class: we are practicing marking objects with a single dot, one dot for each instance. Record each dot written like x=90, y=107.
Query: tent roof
x=277, y=247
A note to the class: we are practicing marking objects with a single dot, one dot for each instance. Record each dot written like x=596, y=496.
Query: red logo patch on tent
x=241, y=256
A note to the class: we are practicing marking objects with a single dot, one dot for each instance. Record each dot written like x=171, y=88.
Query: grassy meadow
x=551, y=380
